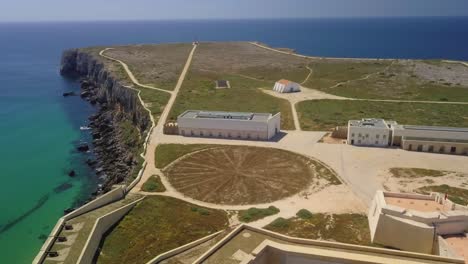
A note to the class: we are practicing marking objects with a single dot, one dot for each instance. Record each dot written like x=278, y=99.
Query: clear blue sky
x=47, y=10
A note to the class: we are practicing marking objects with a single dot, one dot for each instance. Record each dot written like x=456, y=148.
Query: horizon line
x=226, y=19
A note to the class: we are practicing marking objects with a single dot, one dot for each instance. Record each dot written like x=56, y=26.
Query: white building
x=369, y=132
x=285, y=86
x=378, y=132
x=420, y=223
x=258, y=126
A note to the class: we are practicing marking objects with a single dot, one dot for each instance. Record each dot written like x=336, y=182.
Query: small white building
x=257, y=126
x=369, y=132
x=285, y=86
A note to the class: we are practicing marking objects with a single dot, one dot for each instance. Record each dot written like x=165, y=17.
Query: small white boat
x=84, y=128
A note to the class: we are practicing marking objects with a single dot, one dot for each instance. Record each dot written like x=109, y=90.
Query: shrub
x=253, y=214
x=280, y=222
x=304, y=214
x=153, y=184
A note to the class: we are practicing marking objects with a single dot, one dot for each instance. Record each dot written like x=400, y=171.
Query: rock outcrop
x=117, y=161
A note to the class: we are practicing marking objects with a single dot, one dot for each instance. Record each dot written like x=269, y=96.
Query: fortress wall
x=183, y=248
x=416, y=238
x=49, y=242
x=111, y=196
x=101, y=226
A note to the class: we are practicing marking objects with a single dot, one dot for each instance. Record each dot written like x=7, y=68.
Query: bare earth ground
x=359, y=167
x=410, y=184
x=246, y=175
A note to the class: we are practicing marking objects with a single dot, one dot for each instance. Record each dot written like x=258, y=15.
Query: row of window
x=220, y=135
x=360, y=142
x=367, y=136
x=431, y=148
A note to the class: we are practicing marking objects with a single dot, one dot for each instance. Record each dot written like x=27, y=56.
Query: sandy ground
x=394, y=184
x=359, y=167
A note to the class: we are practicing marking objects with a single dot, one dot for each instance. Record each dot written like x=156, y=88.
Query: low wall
x=101, y=226
x=137, y=179
x=331, y=245
x=111, y=196
x=183, y=248
x=49, y=242
x=107, y=198
x=397, y=233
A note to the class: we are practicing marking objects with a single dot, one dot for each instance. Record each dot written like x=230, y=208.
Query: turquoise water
x=39, y=128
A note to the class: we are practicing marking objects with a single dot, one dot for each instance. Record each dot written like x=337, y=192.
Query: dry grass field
x=344, y=228
x=246, y=175
x=156, y=65
x=399, y=79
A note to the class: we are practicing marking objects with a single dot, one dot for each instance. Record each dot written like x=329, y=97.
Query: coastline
x=119, y=119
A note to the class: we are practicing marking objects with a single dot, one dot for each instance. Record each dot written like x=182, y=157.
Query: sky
x=93, y=10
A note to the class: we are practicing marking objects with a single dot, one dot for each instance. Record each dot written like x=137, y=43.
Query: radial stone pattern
x=241, y=175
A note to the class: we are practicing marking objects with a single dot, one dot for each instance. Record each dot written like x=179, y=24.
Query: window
x=384, y=136
x=377, y=136
x=352, y=135
x=191, y=132
x=453, y=149
x=410, y=147
x=420, y=147
x=442, y=149
x=431, y=149
x=359, y=135
x=376, y=142
x=220, y=135
x=367, y=135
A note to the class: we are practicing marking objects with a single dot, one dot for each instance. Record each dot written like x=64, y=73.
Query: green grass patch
x=254, y=214
x=155, y=101
x=344, y=228
x=199, y=93
x=416, y=173
x=304, y=214
x=327, y=73
x=455, y=194
x=156, y=225
x=327, y=114
x=167, y=153
x=153, y=184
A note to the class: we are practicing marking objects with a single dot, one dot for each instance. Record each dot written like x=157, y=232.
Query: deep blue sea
x=39, y=128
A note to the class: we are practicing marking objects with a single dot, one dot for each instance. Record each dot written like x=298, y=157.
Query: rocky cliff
x=117, y=145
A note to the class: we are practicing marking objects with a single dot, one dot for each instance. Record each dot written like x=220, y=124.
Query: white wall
x=101, y=226
x=370, y=136
x=289, y=88
x=274, y=125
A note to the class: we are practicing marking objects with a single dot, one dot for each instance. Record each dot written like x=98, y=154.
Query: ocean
x=40, y=128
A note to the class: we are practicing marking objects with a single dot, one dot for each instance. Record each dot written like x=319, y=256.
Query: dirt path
x=311, y=71
x=156, y=129
x=157, y=132
x=130, y=74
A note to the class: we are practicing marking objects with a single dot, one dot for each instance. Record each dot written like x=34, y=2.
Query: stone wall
x=101, y=226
